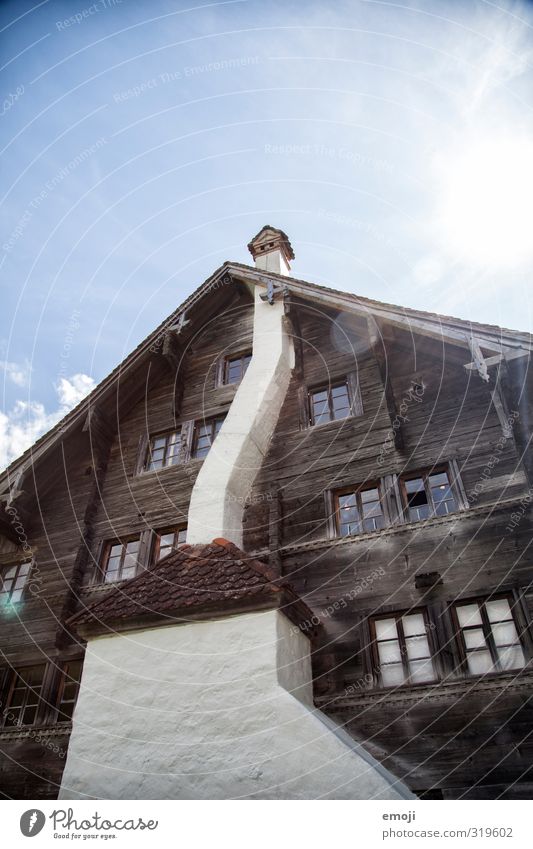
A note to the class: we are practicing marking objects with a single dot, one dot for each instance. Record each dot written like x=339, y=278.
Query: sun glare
x=486, y=209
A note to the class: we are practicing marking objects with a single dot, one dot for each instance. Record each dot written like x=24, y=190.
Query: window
x=12, y=582
x=168, y=541
x=402, y=651
x=120, y=560
x=489, y=637
x=163, y=450
x=204, y=435
x=235, y=367
x=359, y=511
x=23, y=696
x=428, y=494
x=68, y=690
x=330, y=403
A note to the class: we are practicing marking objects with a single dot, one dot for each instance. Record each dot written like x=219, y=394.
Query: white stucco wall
x=204, y=710
x=227, y=474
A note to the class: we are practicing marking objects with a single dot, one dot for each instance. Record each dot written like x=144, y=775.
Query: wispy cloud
x=17, y=373
x=28, y=420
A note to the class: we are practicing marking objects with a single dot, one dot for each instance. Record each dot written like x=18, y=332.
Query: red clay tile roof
x=214, y=576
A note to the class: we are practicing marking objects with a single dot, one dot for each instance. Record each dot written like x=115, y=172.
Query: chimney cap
x=270, y=239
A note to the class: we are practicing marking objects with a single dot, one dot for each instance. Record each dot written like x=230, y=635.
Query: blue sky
x=144, y=143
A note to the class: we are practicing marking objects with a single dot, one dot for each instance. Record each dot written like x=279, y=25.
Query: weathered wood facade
x=417, y=407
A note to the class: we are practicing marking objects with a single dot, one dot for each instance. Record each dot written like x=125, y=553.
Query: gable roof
x=211, y=579
x=445, y=328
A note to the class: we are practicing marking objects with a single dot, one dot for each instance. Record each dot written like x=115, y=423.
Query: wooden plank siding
x=86, y=494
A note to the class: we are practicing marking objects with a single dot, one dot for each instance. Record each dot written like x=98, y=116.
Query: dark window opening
x=68, y=691
x=13, y=581
x=428, y=494
x=23, y=696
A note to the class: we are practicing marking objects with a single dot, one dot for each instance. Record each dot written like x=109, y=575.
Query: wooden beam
x=379, y=351
x=295, y=331
x=498, y=358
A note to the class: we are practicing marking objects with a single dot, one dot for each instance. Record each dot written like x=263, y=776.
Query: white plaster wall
x=227, y=474
x=203, y=711
x=273, y=261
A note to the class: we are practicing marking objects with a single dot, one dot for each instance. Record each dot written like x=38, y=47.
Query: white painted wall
x=205, y=710
x=227, y=474
x=273, y=261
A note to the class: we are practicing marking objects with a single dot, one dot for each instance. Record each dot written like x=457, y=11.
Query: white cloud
x=17, y=373
x=28, y=420
x=72, y=390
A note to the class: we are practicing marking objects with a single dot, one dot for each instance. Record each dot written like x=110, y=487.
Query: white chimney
x=272, y=250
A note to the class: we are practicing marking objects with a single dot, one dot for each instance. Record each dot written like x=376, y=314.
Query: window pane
x=413, y=624
x=511, y=658
x=468, y=614
x=28, y=715
x=369, y=495
x=349, y=514
x=348, y=500
x=504, y=634
x=417, y=647
x=385, y=629
x=474, y=638
x=499, y=610
x=319, y=396
x=421, y=670
x=479, y=662
x=166, y=540
x=392, y=675
x=182, y=536
x=414, y=485
x=438, y=479
x=389, y=652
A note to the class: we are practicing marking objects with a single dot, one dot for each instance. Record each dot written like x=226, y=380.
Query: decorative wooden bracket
x=479, y=362
x=481, y=365
x=272, y=291
x=15, y=488
x=180, y=325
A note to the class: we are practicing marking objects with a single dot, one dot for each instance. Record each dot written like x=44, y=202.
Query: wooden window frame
x=376, y=662
x=105, y=554
x=175, y=529
x=147, y=453
x=61, y=688
x=424, y=474
x=355, y=405
x=480, y=600
x=199, y=423
x=8, y=686
x=223, y=363
x=6, y=597
x=356, y=490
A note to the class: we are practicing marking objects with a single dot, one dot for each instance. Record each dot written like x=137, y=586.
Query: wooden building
x=376, y=458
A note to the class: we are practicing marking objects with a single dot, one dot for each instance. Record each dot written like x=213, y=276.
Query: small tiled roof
x=194, y=578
